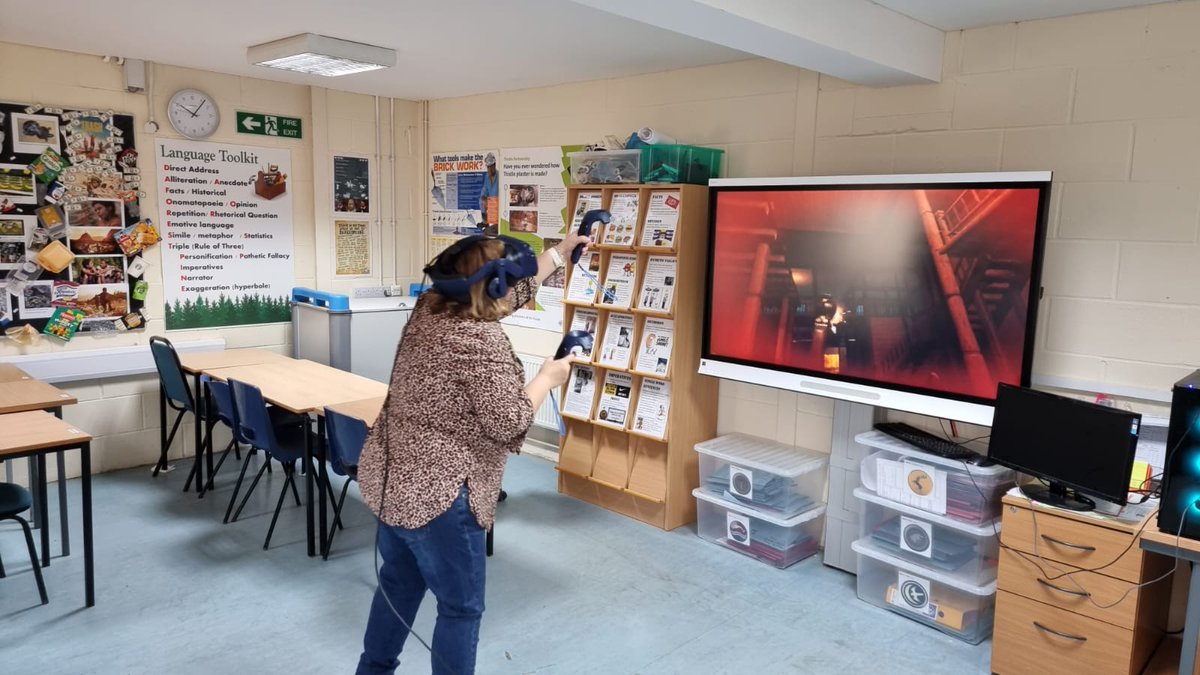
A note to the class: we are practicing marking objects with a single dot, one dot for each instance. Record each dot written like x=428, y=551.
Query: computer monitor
x=1080, y=448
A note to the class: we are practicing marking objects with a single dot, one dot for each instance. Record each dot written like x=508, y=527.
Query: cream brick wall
x=1106, y=100
x=123, y=413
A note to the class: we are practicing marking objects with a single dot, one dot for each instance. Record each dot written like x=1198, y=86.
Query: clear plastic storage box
x=606, y=166
x=761, y=475
x=932, y=541
x=960, y=490
x=778, y=542
x=946, y=601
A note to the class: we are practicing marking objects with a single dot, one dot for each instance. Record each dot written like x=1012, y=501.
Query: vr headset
x=518, y=262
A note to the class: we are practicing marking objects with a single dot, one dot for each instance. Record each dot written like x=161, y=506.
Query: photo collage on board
x=71, y=230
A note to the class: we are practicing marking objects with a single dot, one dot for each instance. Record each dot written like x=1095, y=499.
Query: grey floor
x=571, y=589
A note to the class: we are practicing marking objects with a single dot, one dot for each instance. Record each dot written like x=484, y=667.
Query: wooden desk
x=22, y=395
x=366, y=410
x=1187, y=550
x=11, y=373
x=34, y=434
x=304, y=387
x=195, y=364
x=30, y=394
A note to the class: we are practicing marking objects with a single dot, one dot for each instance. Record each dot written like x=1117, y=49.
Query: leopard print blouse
x=456, y=408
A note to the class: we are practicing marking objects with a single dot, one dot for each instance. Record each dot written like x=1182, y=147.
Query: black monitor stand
x=1057, y=494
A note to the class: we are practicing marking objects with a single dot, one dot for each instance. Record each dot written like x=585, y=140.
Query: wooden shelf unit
x=625, y=470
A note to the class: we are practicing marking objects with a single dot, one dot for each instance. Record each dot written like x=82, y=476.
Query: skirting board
x=98, y=364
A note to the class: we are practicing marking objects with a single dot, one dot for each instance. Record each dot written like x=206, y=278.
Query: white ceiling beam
x=855, y=40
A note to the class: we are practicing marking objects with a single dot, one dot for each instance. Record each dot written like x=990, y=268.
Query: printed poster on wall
x=464, y=184
x=351, y=184
x=533, y=203
x=227, y=229
x=352, y=248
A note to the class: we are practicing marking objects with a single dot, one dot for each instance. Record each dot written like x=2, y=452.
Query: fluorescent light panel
x=321, y=55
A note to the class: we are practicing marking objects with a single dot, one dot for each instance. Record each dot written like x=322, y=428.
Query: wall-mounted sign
x=261, y=124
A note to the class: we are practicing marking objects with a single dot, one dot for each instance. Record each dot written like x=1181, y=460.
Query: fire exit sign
x=261, y=124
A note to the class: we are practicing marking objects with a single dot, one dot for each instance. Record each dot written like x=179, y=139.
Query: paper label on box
x=737, y=528
x=916, y=536
x=913, y=594
x=912, y=484
x=741, y=482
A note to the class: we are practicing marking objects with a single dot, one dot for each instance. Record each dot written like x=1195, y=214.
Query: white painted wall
x=1107, y=101
x=123, y=413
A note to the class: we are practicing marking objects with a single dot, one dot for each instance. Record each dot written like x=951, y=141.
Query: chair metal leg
x=489, y=540
x=337, y=520
x=238, y=486
x=33, y=559
x=290, y=471
x=162, y=458
x=224, y=454
x=287, y=469
x=250, y=491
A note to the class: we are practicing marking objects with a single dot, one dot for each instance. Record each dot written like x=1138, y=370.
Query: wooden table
x=29, y=394
x=34, y=434
x=366, y=410
x=1181, y=548
x=195, y=364
x=305, y=387
x=11, y=373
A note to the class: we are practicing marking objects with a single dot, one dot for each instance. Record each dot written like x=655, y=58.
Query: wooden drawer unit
x=1031, y=637
x=1079, y=543
x=1022, y=577
x=1066, y=624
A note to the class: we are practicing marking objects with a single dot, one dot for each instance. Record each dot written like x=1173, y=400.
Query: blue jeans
x=446, y=556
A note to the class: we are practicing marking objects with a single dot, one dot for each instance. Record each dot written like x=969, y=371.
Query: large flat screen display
x=917, y=293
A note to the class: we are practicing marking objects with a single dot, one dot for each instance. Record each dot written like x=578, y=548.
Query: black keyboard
x=926, y=441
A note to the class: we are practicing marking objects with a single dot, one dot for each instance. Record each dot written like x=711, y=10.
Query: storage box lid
x=867, y=548
x=878, y=439
x=762, y=454
x=990, y=528
x=798, y=519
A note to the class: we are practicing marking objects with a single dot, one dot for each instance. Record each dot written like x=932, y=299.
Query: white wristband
x=556, y=257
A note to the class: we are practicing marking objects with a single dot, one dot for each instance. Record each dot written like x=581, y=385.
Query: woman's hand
x=556, y=371
x=567, y=245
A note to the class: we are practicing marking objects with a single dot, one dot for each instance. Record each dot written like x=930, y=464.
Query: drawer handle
x=1060, y=542
x=1077, y=638
x=1047, y=584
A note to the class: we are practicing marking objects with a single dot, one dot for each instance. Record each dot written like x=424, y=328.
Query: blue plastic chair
x=179, y=397
x=285, y=443
x=223, y=410
x=15, y=500
x=346, y=436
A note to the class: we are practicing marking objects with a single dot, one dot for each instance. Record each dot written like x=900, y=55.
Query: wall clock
x=193, y=113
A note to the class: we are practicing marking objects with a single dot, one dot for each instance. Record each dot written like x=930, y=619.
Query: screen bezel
x=1131, y=453
x=949, y=405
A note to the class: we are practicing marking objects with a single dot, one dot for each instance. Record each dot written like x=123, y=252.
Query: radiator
x=545, y=416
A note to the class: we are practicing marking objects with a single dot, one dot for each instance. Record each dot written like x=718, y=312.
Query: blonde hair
x=482, y=306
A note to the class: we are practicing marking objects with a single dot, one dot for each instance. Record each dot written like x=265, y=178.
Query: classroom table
x=305, y=387
x=34, y=434
x=366, y=409
x=1181, y=548
x=194, y=364
x=20, y=395
x=11, y=373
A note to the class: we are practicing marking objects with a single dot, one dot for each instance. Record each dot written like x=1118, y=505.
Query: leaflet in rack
x=619, y=280
x=618, y=341
x=613, y=408
x=581, y=392
x=585, y=320
x=586, y=201
x=653, y=408
x=585, y=279
x=624, y=211
x=654, y=347
x=662, y=220
x=658, y=286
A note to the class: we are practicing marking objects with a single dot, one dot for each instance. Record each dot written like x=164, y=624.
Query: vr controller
x=574, y=342
x=585, y=229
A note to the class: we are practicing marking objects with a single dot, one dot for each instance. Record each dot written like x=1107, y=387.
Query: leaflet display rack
x=643, y=468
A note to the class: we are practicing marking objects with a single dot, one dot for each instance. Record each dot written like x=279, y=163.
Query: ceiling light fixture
x=320, y=55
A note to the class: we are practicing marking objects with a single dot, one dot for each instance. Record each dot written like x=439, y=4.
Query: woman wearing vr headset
x=431, y=467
